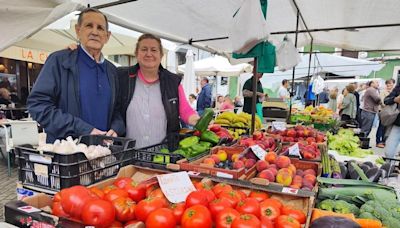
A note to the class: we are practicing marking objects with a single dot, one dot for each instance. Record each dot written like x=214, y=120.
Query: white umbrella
x=189, y=81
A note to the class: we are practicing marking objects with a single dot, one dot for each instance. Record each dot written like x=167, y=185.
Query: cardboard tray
x=14, y=213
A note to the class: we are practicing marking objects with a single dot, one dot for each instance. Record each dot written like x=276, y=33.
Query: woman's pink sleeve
x=185, y=111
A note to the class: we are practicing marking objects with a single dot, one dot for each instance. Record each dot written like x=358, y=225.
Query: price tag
x=258, y=151
x=41, y=170
x=176, y=186
x=29, y=209
x=279, y=125
x=295, y=150
x=290, y=190
x=224, y=175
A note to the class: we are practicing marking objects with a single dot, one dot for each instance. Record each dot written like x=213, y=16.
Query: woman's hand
x=193, y=119
x=72, y=47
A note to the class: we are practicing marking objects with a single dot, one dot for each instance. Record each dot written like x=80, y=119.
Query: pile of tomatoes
x=126, y=203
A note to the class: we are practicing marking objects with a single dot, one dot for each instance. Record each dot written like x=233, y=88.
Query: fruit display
x=221, y=132
x=318, y=114
x=308, y=150
x=346, y=143
x=260, y=139
x=298, y=133
x=237, y=124
x=283, y=170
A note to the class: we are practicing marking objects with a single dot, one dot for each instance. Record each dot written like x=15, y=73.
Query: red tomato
x=178, y=210
x=98, y=192
x=196, y=216
x=151, y=188
x=57, y=197
x=196, y=198
x=218, y=205
x=58, y=211
x=121, y=182
x=242, y=194
x=231, y=195
x=115, y=193
x=201, y=185
x=124, y=208
x=209, y=193
x=116, y=224
x=99, y=213
x=259, y=195
x=297, y=214
x=109, y=188
x=161, y=218
x=249, y=206
x=157, y=193
x=73, y=199
x=269, y=210
x=220, y=187
x=273, y=201
x=136, y=192
x=225, y=218
x=146, y=206
x=266, y=222
x=285, y=221
x=246, y=221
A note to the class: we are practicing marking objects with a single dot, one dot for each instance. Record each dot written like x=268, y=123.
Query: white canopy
x=217, y=65
x=192, y=19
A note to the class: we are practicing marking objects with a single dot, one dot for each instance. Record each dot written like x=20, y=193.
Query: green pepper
x=197, y=149
x=164, y=150
x=205, y=120
x=209, y=136
x=207, y=144
x=180, y=152
x=188, y=142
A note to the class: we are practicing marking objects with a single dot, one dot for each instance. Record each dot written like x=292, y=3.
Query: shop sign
x=25, y=54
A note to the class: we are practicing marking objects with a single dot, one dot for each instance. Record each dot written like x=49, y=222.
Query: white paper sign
x=29, y=209
x=224, y=175
x=176, y=186
x=258, y=151
x=289, y=190
x=295, y=150
x=278, y=125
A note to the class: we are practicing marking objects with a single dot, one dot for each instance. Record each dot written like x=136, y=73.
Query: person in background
x=283, y=92
x=5, y=97
x=238, y=103
x=339, y=102
x=372, y=101
x=193, y=101
x=332, y=104
x=355, y=85
x=361, y=91
x=204, y=98
x=219, y=101
x=152, y=99
x=76, y=91
x=248, y=92
x=348, y=109
x=228, y=104
x=380, y=132
x=393, y=141
x=324, y=96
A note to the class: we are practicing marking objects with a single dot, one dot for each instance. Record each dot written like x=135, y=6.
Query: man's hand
x=96, y=131
x=112, y=133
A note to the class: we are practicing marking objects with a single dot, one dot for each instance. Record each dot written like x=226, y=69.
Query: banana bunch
x=241, y=120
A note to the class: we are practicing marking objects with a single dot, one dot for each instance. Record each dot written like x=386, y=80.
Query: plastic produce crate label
x=29, y=209
x=176, y=186
x=258, y=151
x=278, y=125
x=290, y=190
x=224, y=175
x=295, y=150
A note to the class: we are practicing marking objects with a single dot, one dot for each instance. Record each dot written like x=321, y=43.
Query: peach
x=235, y=157
x=249, y=163
x=297, y=179
x=284, y=178
x=238, y=164
x=296, y=186
x=267, y=174
x=271, y=157
x=292, y=168
x=209, y=161
x=299, y=172
x=272, y=166
x=215, y=158
x=310, y=171
x=261, y=165
x=273, y=170
x=311, y=178
x=307, y=185
x=282, y=162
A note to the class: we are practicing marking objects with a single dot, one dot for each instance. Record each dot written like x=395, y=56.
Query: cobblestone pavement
x=7, y=186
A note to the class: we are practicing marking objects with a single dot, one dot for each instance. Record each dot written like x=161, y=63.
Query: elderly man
x=204, y=98
x=76, y=91
x=371, y=100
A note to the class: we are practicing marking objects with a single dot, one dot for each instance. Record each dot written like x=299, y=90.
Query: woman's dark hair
x=93, y=10
x=192, y=96
x=149, y=36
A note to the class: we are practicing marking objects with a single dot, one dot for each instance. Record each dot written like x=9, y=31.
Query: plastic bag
x=318, y=85
x=287, y=55
x=248, y=27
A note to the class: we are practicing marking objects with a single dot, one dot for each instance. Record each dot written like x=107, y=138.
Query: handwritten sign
x=176, y=186
x=295, y=150
x=258, y=151
x=278, y=125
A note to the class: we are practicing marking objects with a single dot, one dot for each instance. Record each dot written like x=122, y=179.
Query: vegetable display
x=346, y=143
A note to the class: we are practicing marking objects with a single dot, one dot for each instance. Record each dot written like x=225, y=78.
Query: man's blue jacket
x=54, y=101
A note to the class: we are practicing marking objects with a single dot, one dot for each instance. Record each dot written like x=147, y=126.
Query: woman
x=152, y=98
x=219, y=102
x=227, y=105
x=193, y=101
x=332, y=104
x=348, y=109
x=339, y=101
x=393, y=141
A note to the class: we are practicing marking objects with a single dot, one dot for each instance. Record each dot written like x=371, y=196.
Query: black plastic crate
x=53, y=171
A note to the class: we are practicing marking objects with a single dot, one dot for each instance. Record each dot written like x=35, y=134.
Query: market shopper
x=380, y=132
x=332, y=104
x=76, y=91
x=153, y=99
x=348, y=108
x=248, y=92
x=372, y=101
x=393, y=141
x=227, y=105
x=283, y=92
x=204, y=98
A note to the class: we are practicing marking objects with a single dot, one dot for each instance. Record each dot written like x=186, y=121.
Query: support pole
x=255, y=97
x=309, y=65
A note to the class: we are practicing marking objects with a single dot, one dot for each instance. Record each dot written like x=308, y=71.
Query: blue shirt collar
x=87, y=53
x=89, y=60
